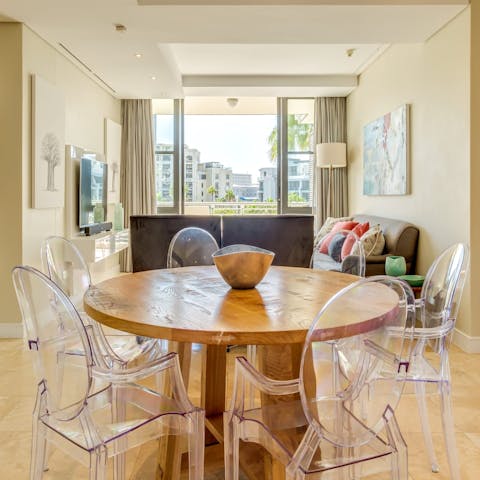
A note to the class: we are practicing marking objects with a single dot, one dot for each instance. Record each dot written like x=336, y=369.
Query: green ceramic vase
x=395, y=266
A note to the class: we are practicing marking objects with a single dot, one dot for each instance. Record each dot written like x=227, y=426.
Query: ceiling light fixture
x=138, y=55
x=153, y=77
x=232, y=102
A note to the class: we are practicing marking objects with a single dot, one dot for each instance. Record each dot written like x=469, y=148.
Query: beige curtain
x=137, y=174
x=331, y=126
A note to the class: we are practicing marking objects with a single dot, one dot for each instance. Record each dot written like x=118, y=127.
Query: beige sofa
x=401, y=238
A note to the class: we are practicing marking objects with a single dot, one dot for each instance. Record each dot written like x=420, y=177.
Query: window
x=256, y=159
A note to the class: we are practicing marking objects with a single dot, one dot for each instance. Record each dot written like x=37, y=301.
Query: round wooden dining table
x=195, y=305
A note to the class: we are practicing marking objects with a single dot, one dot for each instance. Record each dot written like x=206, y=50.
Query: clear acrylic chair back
x=191, y=246
x=65, y=265
x=53, y=327
x=443, y=286
x=338, y=398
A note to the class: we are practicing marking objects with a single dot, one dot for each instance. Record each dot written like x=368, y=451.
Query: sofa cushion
x=359, y=231
x=335, y=247
x=373, y=242
x=349, y=225
x=327, y=227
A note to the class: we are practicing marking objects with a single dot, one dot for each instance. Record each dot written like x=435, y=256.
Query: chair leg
x=118, y=415
x=427, y=434
x=98, y=464
x=449, y=431
x=231, y=446
x=399, y=467
x=39, y=446
x=196, y=446
x=252, y=358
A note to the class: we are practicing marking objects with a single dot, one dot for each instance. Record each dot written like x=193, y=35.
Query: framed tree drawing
x=113, y=139
x=48, y=145
x=385, y=154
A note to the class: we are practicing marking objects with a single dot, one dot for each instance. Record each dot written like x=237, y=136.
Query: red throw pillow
x=359, y=230
x=336, y=228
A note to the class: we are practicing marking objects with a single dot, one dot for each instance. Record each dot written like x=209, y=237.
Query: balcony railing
x=229, y=208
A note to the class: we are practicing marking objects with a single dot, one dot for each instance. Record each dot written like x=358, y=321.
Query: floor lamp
x=331, y=155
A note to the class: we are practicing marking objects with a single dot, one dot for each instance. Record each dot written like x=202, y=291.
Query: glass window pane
x=230, y=156
x=300, y=141
x=164, y=122
x=164, y=148
x=164, y=177
x=300, y=182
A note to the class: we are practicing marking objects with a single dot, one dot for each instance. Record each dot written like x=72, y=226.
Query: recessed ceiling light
x=232, y=102
x=120, y=27
x=153, y=77
x=138, y=55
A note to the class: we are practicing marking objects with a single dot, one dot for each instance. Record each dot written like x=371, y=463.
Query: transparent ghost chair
x=191, y=246
x=93, y=426
x=65, y=265
x=438, y=307
x=353, y=262
x=343, y=425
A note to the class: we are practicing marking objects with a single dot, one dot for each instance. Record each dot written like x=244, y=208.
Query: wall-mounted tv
x=92, y=200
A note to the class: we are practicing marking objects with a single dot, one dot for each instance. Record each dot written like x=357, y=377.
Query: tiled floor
x=17, y=398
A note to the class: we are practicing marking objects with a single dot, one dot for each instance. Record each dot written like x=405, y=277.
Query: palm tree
x=295, y=197
x=212, y=191
x=229, y=195
x=300, y=136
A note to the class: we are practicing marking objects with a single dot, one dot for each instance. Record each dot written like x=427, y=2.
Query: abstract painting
x=385, y=154
x=48, y=145
x=113, y=139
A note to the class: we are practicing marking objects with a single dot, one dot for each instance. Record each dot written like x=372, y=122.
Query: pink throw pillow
x=359, y=230
x=336, y=228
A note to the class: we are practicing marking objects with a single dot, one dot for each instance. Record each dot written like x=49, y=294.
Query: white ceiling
x=213, y=47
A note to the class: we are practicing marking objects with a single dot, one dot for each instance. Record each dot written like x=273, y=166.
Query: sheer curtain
x=330, y=126
x=137, y=175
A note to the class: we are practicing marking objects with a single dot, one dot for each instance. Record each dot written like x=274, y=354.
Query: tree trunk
x=50, y=177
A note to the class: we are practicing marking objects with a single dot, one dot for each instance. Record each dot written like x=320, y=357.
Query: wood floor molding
x=11, y=330
x=467, y=343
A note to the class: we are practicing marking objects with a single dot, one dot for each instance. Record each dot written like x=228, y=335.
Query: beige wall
x=86, y=105
x=10, y=164
x=475, y=164
x=23, y=53
x=434, y=78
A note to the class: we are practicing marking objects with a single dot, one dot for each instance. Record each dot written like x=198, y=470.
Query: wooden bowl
x=243, y=266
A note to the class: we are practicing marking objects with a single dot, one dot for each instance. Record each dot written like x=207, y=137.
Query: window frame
x=282, y=113
x=178, y=163
x=178, y=193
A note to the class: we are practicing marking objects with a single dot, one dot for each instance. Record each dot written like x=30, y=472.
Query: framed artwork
x=113, y=148
x=48, y=144
x=385, y=154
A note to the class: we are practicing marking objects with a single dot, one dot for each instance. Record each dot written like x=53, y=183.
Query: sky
x=237, y=141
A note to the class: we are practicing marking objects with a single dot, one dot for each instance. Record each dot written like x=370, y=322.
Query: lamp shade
x=331, y=154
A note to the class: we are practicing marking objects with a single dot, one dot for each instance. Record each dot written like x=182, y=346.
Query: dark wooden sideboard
x=289, y=236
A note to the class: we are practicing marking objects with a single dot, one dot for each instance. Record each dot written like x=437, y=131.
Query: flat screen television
x=92, y=200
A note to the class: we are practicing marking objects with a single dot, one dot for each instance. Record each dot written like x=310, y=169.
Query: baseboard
x=467, y=343
x=11, y=330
